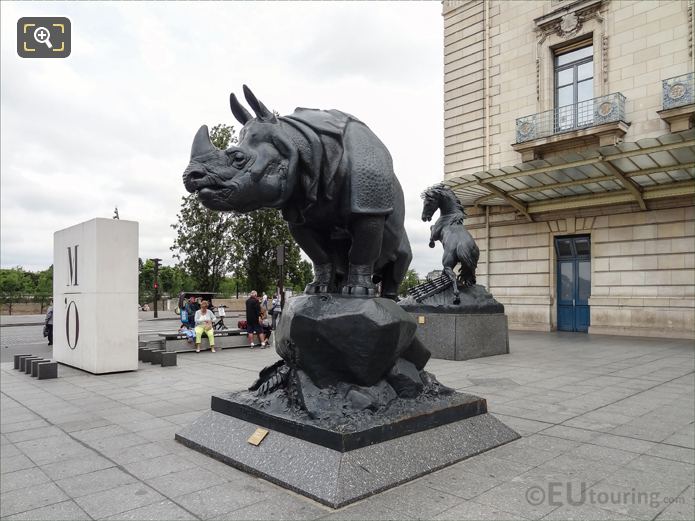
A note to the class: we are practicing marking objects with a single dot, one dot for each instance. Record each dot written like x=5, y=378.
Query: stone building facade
x=568, y=128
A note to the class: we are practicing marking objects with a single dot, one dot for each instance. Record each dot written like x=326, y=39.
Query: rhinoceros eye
x=237, y=158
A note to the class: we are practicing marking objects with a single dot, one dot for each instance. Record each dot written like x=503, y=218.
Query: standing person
x=253, y=313
x=276, y=309
x=203, y=324
x=191, y=307
x=48, y=322
x=264, y=302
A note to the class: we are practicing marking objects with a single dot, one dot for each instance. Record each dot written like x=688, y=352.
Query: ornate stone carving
x=690, y=29
x=569, y=23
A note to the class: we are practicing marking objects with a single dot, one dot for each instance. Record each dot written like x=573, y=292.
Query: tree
x=254, y=257
x=44, y=285
x=204, y=238
x=18, y=285
x=410, y=280
x=173, y=279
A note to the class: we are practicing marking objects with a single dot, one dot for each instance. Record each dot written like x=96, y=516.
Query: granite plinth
x=463, y=336
x=473, y=300
x=337, y=478
x=400, y=418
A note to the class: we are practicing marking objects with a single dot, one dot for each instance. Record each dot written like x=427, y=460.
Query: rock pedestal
x=340, y=338
x=350, y=409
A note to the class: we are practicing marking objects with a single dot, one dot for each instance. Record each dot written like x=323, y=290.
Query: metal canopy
x=636, y=172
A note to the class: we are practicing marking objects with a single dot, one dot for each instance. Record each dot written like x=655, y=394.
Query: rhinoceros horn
x=262, y=113
x=201, y=143
x=240, y=113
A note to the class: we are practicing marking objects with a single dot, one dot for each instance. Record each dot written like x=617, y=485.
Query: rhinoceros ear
x=240, y=113
x=262, y=113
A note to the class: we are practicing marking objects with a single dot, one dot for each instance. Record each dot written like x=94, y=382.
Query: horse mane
x=442, y=190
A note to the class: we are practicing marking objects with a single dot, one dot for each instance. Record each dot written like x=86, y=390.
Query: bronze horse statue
x=459, y=246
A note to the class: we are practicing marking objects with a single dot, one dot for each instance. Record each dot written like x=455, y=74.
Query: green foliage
x=228, y=287
x=16, y=281
x=410, y=280
x=172, y=280
x=211, y=245
x=44, y=285
x=204, y=237
x=17, y=285
x=255, y=255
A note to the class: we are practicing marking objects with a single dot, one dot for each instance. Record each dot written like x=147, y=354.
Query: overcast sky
x=112, y=124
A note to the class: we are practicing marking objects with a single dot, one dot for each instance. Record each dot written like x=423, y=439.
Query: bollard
x=35, y=366
x=168, y=359
x=27, y=366
x=47, y=370
x=17, y=358
x=23, y=362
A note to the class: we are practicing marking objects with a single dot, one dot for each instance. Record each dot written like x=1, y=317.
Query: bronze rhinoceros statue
x=332, y=178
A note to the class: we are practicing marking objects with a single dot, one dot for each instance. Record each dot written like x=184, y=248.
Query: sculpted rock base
x=474, y=300
x=335, y=338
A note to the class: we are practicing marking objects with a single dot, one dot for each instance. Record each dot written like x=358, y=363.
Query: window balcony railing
x=585, y=114
x=678, y=91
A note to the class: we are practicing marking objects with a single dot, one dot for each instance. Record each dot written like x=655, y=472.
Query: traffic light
x=156, y=285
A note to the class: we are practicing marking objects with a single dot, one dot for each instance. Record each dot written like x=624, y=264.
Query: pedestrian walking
x=275, y=310
x=48, y=323
x=253, y=325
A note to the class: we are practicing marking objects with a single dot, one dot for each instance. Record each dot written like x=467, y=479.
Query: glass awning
x=634, y=172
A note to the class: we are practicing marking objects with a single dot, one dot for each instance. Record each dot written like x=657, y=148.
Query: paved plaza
x=606, y=423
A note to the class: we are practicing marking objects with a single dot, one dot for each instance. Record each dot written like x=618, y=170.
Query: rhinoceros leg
x=367, y=232
x=395, y=271
x=315, y=243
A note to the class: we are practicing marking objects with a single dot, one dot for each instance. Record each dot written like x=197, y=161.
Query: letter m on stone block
x=72, y=266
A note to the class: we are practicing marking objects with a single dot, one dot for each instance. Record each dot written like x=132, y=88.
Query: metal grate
x=429, y=288
x=589, y=113
x=678, y=91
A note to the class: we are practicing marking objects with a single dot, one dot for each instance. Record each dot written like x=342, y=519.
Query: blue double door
x=573, y=282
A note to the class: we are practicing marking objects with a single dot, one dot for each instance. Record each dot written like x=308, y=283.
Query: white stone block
x=95, y=294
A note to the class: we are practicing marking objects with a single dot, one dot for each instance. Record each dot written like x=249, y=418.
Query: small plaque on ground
x=257, y=437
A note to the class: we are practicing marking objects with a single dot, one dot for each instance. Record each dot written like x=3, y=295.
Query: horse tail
x=467, y=252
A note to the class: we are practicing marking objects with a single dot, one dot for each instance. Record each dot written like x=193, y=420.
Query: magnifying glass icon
x=43, y=35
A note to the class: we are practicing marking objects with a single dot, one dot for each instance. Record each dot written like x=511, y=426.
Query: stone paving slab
x=614, y=414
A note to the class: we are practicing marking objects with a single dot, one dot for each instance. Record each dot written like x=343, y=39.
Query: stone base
x=400, y=418
x=337, y=478
x=463, y=336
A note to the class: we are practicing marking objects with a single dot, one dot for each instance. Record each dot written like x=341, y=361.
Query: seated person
x=190, y=334
x=266, y=325
x=203, y=324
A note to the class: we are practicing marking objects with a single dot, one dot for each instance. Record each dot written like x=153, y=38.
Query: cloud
x=112, y=124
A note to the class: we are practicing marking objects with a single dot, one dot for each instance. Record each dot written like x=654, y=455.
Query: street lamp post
x=156, y=284
x=281, y=265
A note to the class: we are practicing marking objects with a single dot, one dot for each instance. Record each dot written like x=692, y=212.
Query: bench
x=224, y=339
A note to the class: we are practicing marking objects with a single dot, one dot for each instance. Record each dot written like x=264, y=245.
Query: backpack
x=184, y=316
